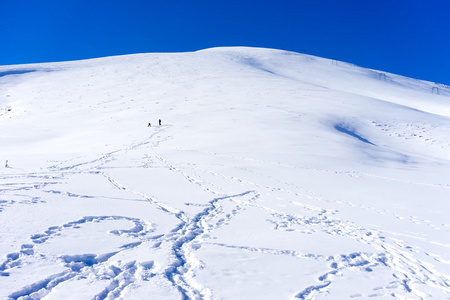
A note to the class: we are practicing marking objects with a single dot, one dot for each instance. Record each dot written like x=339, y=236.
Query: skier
x=149, y=125
x=159, y=122
x=6, y=164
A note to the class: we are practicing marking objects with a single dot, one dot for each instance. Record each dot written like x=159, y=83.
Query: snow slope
x=274, y=175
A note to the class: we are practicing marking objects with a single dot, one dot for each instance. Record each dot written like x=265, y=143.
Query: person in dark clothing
x=149, y=125
x=159, y=122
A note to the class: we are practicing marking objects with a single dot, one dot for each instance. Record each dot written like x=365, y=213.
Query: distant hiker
x=159, y=122
x=6, y=164
x=149, y=125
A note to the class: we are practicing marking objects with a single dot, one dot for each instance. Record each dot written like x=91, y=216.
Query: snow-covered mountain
x=273, y=175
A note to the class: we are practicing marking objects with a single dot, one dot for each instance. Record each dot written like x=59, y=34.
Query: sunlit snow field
x=274, y=175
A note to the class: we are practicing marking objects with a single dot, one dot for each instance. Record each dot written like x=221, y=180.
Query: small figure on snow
x=6, y=164
x=159, y=122
x=149, y=125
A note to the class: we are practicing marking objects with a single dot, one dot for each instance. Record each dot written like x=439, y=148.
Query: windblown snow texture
x=274, y=175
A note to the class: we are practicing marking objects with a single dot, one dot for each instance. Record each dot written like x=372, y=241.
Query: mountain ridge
x=272, y=175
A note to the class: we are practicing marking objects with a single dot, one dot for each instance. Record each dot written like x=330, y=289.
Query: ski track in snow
x=81, y=265
x=394, y=253
x=412, y=274
x=409, y=273
x=185, y=238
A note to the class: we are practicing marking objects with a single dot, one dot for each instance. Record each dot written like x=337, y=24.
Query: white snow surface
x=274, y=175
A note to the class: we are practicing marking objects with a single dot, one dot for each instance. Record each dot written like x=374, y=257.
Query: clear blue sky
x=407, y=37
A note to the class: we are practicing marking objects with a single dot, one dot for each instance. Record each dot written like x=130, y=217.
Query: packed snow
x=273, y=175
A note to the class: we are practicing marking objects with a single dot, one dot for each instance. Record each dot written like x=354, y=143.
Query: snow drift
x=273, y=175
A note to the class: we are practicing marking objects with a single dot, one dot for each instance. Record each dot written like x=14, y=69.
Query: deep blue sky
x=407, y=37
